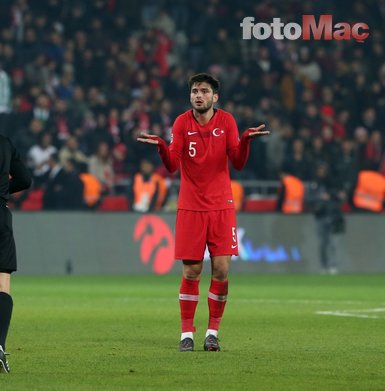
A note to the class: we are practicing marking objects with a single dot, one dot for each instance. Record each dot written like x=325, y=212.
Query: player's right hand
x=149, y=138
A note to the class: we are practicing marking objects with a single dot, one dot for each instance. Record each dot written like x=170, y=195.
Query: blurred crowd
x=79, y=80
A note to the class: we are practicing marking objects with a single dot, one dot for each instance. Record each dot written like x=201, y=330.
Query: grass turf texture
x=121, y=333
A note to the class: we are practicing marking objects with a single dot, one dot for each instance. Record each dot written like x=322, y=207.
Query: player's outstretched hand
x=256, y=132
x=148, y=138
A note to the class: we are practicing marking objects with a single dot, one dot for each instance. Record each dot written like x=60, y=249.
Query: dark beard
x=202, y=110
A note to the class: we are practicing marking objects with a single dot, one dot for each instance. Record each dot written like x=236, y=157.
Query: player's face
x=202, y=97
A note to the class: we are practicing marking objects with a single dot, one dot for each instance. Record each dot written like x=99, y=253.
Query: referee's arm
x=20, y=176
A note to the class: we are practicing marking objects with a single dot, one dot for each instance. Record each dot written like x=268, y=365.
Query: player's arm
x=172, y=154
x=238, y=149
x=20, y=176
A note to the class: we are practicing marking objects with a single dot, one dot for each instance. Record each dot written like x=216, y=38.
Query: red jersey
x=202, y=153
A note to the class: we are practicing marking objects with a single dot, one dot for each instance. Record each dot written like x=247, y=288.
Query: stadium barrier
x=97, y=243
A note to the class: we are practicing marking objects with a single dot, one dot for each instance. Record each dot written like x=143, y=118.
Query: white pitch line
x=298, y=301
x=355, y=313
x=368, y=310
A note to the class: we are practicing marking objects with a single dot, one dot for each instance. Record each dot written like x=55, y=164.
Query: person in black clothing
x=64, y=190
x=53, y=184
x=296, y=161
x=324, y=199
x=14, y=177
x=73, y=189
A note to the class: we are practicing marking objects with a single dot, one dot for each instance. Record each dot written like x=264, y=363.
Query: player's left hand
x=256, y=132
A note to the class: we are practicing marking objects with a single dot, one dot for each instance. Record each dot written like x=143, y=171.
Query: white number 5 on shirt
x=191, y=149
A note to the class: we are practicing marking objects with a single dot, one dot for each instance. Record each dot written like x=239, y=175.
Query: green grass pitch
x=279, y=332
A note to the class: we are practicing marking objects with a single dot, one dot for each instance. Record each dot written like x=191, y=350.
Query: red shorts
x=193, y=230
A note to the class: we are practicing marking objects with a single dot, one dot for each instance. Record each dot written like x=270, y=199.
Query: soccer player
x=14, y=176
x=202, y=140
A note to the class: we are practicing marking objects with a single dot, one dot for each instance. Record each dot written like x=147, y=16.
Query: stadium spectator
x=340, y=125
x=26, y=138
x=42, y=109
x=374, y=150
x=119, y=160
x=92, y=187
x=53, y=186
x=324, y=199
x=99, y=133
x=276, y=147
x=64, y=189
x=316, y=153
x=70, y=150
x=38, y=157
x=331, y=146
x=78, y=106
x=308, y=66
x=100, y=165
x=369, y=191
x=73, y=187
x=346, y=167
x=154, y=49
x=296, y=161
x=61, y=122
x=361, y=138
x=369, y=119
x=29, y=47
x=288, y=87
x=164, y=23
x=149, y=189
x=291, y=198
x=311, y=119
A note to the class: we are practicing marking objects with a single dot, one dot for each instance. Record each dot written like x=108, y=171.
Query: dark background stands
x=103, y=71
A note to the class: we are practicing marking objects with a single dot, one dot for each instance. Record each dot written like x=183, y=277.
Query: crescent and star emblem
x=217, y=132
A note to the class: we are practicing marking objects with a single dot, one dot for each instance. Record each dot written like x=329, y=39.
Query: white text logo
x=310, y=29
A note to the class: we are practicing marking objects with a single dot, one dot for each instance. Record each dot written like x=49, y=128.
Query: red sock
x=217, y=301
x=188, y=300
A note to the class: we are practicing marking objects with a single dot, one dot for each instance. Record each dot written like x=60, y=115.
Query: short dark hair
x=204, y=78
